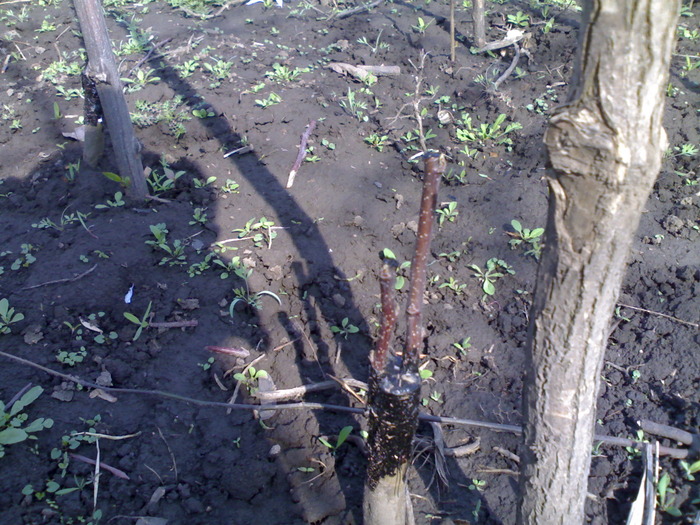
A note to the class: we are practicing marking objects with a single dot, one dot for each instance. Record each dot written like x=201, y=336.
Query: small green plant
x=117, y=202
x=519, y=19
x=342, y=438
x=203, y=113
x=141, y=80
x=164, y=179
x=199, y=183
x=199, y=217
x=421, y=25
x=353, y=105
x=686, y=150
x=377, y=141
x=271, y=100
x=283, y=74
x=206, y=365
x=8, y=316
x=175, y=253
x=25, y=259
x=490, y=274
x=520, y=236
x=141, y=323
x=466, y=131
x=231, y=186
x=690, y=469
x=454, y=285
x=249, y=378
x=377, y=43
x=664, y=499
x=187, y=68
x=243, y=295
x=219, y=69
x=387, y=254
x=70, y=358
x=463, y=345
x=13, y=427
x=260, y=231
x=46, y=27
x=346, y=328
x=447, y=213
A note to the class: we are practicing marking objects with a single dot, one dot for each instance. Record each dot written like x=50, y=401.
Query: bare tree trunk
x=605, y=148
x=479, y=25
x=102, y=68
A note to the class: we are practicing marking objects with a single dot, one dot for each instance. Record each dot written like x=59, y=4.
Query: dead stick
x=70, y=280
x=497, y=427
x=355, y=10
x=302, y=152
x=434, y=168
x=387, y=280
x=118, y=473
x=694, y=325
x=174, y=324
x=510, y=69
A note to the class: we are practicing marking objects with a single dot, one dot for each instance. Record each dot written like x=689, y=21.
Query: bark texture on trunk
x=605, y=148
x=102, y=68
x=478, y=16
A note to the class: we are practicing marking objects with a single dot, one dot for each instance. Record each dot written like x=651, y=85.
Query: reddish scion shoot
x=387, y=278
x=434, y=168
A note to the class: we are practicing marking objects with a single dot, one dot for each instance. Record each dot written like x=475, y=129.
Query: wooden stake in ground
x=394, y=387
x=102, y=69
x=605, y=147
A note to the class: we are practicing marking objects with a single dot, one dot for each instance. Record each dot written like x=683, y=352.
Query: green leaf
x=426, y=374
x=131, y=317
x=516, y=225
x=343, y=435
x=4, y=306
x=489, y=288
x=388, y=254
x=240, y=377
x=537, y=232
x=325, y=442
x=27, y=399
x=11, y=435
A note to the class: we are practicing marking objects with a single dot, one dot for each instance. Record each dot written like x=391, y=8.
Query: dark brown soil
x=196, y=464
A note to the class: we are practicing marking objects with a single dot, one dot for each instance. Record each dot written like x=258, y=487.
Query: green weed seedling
x=8, y=316
x=160, y=182
x=13, y=427
x=377, y=141
x=230, y=186
x=342, y=438
x=466, y=131
x=283, y=74
x=175, y=253
x=142, y=79
x=463, y=346
x=271, y=100
x=519, y=19
x=258, y=230
x=521, y=236
x=447, y=213
x=664, y=499
x=490, y=274
x=353, y=105
x=199, y=217
x=377, y=43
x=25, y=259
x=690, y=469
x=346, y=328
x=199, y=183
x=124, y=182
x=243, y=295
x=421, y=25
x=116, y=203
x=249, y=378
x=454, y=285
x=141, y=323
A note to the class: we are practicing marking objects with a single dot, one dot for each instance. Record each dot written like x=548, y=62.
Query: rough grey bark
x=605, y=148
x=479, y=24
x=102, y=68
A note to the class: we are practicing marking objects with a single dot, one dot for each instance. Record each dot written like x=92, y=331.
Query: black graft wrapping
x=393, y=418
x=93, y=108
